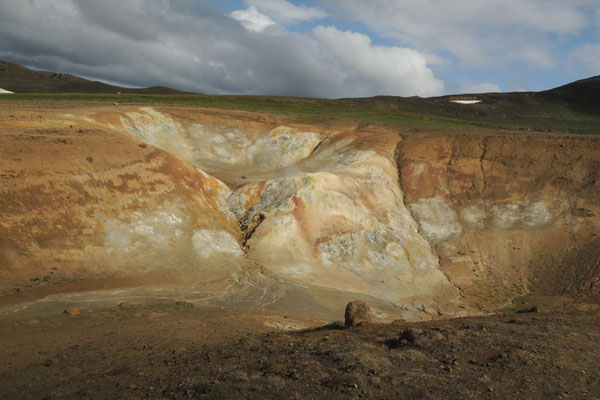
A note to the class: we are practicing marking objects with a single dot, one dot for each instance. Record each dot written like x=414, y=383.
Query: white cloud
x=197, y=46
x=491, y=33
x=588, y=56
x=388, y=70
x=252, y=19
x=516, y=87
x=287, y=13
x=483, y=87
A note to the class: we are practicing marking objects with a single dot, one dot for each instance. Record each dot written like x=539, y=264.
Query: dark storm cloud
x=194, y=45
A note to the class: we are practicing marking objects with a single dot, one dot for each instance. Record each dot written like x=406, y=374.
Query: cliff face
x=507, y=214
x=428, y=223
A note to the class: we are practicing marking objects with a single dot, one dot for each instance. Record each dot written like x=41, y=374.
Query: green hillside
x=571, y=108
x=19, y=79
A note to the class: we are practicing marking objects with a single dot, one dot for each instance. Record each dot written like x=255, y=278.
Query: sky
x=318, y=48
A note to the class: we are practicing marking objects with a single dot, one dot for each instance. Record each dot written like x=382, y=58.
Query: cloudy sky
x=318, y=48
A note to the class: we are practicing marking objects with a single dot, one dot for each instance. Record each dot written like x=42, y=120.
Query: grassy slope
x=518, y=111
x=571, y=108
x=19, y=79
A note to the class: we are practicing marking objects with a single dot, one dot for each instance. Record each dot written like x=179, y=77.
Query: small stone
x=436, y=336
x=411, y=335
x=358, y=312
x=420, y=337
x=518, y=354
x=51, y=361
x=73, y=311
x=533, y=309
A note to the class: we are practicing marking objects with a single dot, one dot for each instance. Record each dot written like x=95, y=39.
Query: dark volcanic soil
x=172, y=350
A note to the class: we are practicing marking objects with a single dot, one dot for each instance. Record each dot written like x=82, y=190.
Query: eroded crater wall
x=444, y=224
x=498, y=208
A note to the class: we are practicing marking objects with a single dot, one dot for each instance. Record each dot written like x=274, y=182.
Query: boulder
x=358, y=312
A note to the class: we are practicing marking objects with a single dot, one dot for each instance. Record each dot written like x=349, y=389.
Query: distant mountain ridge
x=585, y=92
x=19, y=79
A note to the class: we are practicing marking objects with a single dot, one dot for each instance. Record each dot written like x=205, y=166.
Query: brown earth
x=509, y=214
x=60, y=181
x=172, y=351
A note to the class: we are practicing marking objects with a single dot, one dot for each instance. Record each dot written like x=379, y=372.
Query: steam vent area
x=102, y=205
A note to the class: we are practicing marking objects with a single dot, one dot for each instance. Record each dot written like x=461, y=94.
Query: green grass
x=297, y=110
x=571, y=108
x=508, y=111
